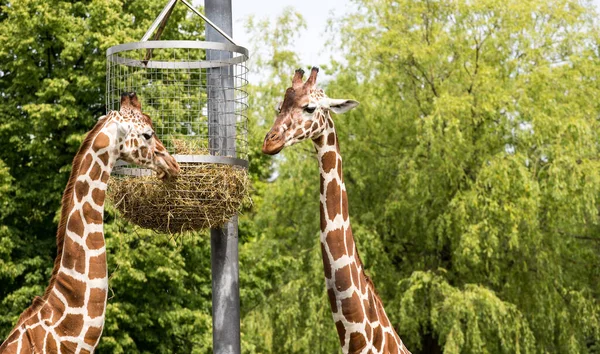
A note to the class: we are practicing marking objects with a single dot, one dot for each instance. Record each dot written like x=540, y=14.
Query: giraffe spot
x=95, y=172
x=342, y=278
x=127, y=143
x=95, y=240
x=332, y=199
x=91, y=215
x=391, y=343
x=369, y=332
x=330, y=122
x=105, y=176
x=51, y=345
x=96, y=302
x=331, y=295
x=341, y=332
x=54, y=309
x=352, y=308
x=68, y=346
x=319, y=141
x=27, y=347
x=323, y=219
x=144, y=151
x=377, y=337
x=101, y=142
x=335, y=242
x=363, y=282
x=382, y=316
x=326, y=264
x=322, y=183
x=136, y=143
x=92, y=335
x=371, y=308
x=81, y=189
x=136, y=154
x=12, y=338
x=97, y=266
x=331, y=138
x=46, y=314
x=307, y=125
x=37, y=335
x=314, y=127
x=70, y=326
x=350, y=246
x=328, y=161
x=339, y=170
x=84, y=351
x=75, y=225
x=298, y=133
x=104, y=158
x=357, y=343
x=85, y=163
x=355, y=279
x=98, y=196
x=72, y=289
x=73, y=256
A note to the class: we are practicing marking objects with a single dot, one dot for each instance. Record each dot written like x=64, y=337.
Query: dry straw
x=202, y=196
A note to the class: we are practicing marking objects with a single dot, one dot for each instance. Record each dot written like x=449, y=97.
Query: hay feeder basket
x=194, y=91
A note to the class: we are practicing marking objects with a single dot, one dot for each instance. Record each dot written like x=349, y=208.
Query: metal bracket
x=164, y=16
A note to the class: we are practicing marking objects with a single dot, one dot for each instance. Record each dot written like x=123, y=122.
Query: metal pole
x=223, y=241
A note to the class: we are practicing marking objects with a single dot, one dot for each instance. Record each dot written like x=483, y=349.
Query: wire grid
x=173, y=88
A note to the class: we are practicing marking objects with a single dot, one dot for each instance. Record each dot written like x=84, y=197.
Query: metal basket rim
x=120, y=168
x=177, y=44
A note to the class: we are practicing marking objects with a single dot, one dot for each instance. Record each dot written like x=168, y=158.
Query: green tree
x=53, y=75
x=482, y=180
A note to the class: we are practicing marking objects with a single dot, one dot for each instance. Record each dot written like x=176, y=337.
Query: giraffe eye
x=308, y=109
x=148, y=136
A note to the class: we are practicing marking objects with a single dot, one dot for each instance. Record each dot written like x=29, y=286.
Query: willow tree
x=474, y=157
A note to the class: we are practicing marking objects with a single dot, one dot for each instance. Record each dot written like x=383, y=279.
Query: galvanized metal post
x=224, y=241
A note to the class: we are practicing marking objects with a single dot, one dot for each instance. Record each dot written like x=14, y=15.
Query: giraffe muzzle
x=167, y=166
x=273, y=143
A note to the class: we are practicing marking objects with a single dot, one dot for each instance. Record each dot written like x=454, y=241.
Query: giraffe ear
x=341, y=106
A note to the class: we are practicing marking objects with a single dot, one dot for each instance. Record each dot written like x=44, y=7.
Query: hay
x=202, y=196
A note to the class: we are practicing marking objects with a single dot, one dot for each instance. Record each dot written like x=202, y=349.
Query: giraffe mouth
x=273, y=143
x=167, y=166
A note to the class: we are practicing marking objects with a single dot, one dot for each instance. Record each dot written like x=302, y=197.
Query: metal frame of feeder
x=221, y=99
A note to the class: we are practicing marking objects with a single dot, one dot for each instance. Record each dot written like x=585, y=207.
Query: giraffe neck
x=359, y=316
x=70, y=315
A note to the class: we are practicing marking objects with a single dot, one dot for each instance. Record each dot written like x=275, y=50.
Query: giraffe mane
x=66, y=205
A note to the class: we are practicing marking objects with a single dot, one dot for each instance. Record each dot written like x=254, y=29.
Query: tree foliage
x=471, y=166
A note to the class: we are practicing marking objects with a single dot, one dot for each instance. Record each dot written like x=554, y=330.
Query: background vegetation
x=471, y=164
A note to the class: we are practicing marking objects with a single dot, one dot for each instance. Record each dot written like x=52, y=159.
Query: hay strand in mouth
x=202, y=196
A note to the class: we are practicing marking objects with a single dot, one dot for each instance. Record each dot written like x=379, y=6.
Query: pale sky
x=311, y=45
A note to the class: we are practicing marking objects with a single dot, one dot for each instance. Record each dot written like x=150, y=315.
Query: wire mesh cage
x=194, y=93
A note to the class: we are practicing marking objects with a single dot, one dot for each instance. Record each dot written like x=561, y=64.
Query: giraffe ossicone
x=360, y=318
x=69, y=317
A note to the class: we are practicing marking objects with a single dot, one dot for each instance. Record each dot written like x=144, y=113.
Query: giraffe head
x=303, y=114
x=137, y=142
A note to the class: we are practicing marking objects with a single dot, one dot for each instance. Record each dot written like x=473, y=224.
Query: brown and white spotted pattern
x=358, y=313
x=69, y=317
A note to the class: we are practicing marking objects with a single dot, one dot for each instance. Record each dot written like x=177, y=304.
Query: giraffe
x=358, y=313
x=69, y=317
